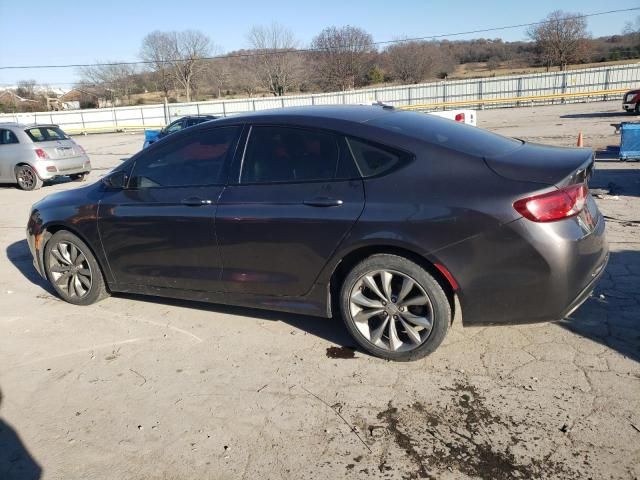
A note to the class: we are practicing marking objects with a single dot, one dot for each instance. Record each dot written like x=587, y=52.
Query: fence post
x=281, y=101
x=480, y=93
x=313, y=99
x=409, y=95
x=165, y=111
x=444, y=93
x=253, y=102
x=519, y=92
x=142, y=115
x=84, y=128
x=606, y=82
x=564, y=86
x=115, y=117
x=198, y=108
x=224, y=109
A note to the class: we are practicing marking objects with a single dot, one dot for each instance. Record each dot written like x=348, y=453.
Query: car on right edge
x=631, y=101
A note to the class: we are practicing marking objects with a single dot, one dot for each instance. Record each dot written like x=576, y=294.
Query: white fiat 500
x=31, y=154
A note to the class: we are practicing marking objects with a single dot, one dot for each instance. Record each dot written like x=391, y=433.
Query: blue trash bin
x=630, y=141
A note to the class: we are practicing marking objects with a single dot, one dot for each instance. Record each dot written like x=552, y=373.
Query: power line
x=309, y=50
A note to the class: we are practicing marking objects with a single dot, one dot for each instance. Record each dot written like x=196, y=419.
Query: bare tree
x=276, y=64
x=344, y=55
x=413, y=61
x=158, y=50
x=242, y=72
x=27, y=89
x=115, y=78
x=561, y=39
x=189, y=49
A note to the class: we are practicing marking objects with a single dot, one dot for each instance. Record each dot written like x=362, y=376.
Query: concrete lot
x=142, y=388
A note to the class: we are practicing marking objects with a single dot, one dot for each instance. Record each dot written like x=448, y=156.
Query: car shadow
x=631, y=116
x=615, y=181
x=16, y=463
x=19, y=255
x=330, y=329
x=611, y=316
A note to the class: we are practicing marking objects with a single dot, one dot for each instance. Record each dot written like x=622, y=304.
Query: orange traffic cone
x=580, y=141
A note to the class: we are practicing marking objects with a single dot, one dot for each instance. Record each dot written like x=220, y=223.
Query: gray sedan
x=31, y=154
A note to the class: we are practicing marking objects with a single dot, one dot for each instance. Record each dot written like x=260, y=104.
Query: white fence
x=589, y=84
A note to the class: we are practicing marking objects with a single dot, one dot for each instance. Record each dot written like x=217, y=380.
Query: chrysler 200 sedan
x=394, y=219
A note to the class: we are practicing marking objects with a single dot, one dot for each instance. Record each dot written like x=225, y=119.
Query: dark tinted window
x=285, y=154
x=446, y=133
x=195, y=159
x=373, y=160
x=7, y=137
x=46, y=134
x=175, y=126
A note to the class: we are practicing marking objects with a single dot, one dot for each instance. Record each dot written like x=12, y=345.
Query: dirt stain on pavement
x=341, y=352
x=461, y=437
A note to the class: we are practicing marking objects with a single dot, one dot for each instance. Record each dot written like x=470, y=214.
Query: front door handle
x=195, y=202
x=323, y=202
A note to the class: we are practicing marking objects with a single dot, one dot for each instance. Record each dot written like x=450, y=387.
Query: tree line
x=187, y=65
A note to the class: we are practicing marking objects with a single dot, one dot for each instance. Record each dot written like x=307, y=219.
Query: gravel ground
x=142, y=388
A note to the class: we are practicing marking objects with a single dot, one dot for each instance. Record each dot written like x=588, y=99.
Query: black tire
x=78, y=177
x=27, y=178
x=402, y=270
x=60, y=260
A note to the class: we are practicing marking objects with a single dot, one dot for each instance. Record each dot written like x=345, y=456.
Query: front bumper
x=629, y=107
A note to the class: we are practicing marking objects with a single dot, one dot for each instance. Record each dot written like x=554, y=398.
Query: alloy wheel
x=70, y=270
x=391, y=310
x=26, y=178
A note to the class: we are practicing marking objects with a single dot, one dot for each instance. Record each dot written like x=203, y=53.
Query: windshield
x=46, y=134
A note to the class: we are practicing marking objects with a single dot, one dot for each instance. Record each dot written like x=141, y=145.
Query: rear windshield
x=46, y=134
x=446, y=133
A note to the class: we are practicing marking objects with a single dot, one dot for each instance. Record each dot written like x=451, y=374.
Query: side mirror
x=117, y=180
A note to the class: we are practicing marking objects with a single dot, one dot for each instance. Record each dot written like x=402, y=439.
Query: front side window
x=287, y=154
x=7, y=137
x=175, y=127
x=46, y=134
x=195, y=159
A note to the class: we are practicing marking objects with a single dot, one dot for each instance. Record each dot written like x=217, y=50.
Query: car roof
x=349, y=113
x=26, y=125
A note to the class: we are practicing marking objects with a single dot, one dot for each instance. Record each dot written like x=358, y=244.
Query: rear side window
x=289, y=154
x=446, y=133
x=190, y=160
x=7, y=137
x=373, y=160
x=46, y=134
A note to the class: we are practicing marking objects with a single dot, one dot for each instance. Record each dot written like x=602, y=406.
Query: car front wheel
x=73, y=270
x=394, y=308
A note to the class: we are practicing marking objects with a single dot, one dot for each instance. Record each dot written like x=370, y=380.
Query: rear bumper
x=629, y=107
x=528, y=272
x=48, y=169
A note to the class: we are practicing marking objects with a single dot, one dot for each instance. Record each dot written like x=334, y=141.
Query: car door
x=298, y=195
x=10, y=154
x=159, y=230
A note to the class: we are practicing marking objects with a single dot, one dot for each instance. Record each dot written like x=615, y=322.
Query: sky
x=70, y=31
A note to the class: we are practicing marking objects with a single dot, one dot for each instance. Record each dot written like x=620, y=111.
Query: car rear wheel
x=27, y=178
x=394, y=309
x=73, y=270
x=78, y=177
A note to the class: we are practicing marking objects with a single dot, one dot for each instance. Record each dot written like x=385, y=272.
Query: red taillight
x=549, y=207
x=41, y=153
x=459, y=117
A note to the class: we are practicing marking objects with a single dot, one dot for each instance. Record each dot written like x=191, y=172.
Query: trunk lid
x=544, y=164
x=60, y=149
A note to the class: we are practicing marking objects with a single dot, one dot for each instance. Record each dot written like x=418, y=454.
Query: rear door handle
x=323, y=202
x=195, y=202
